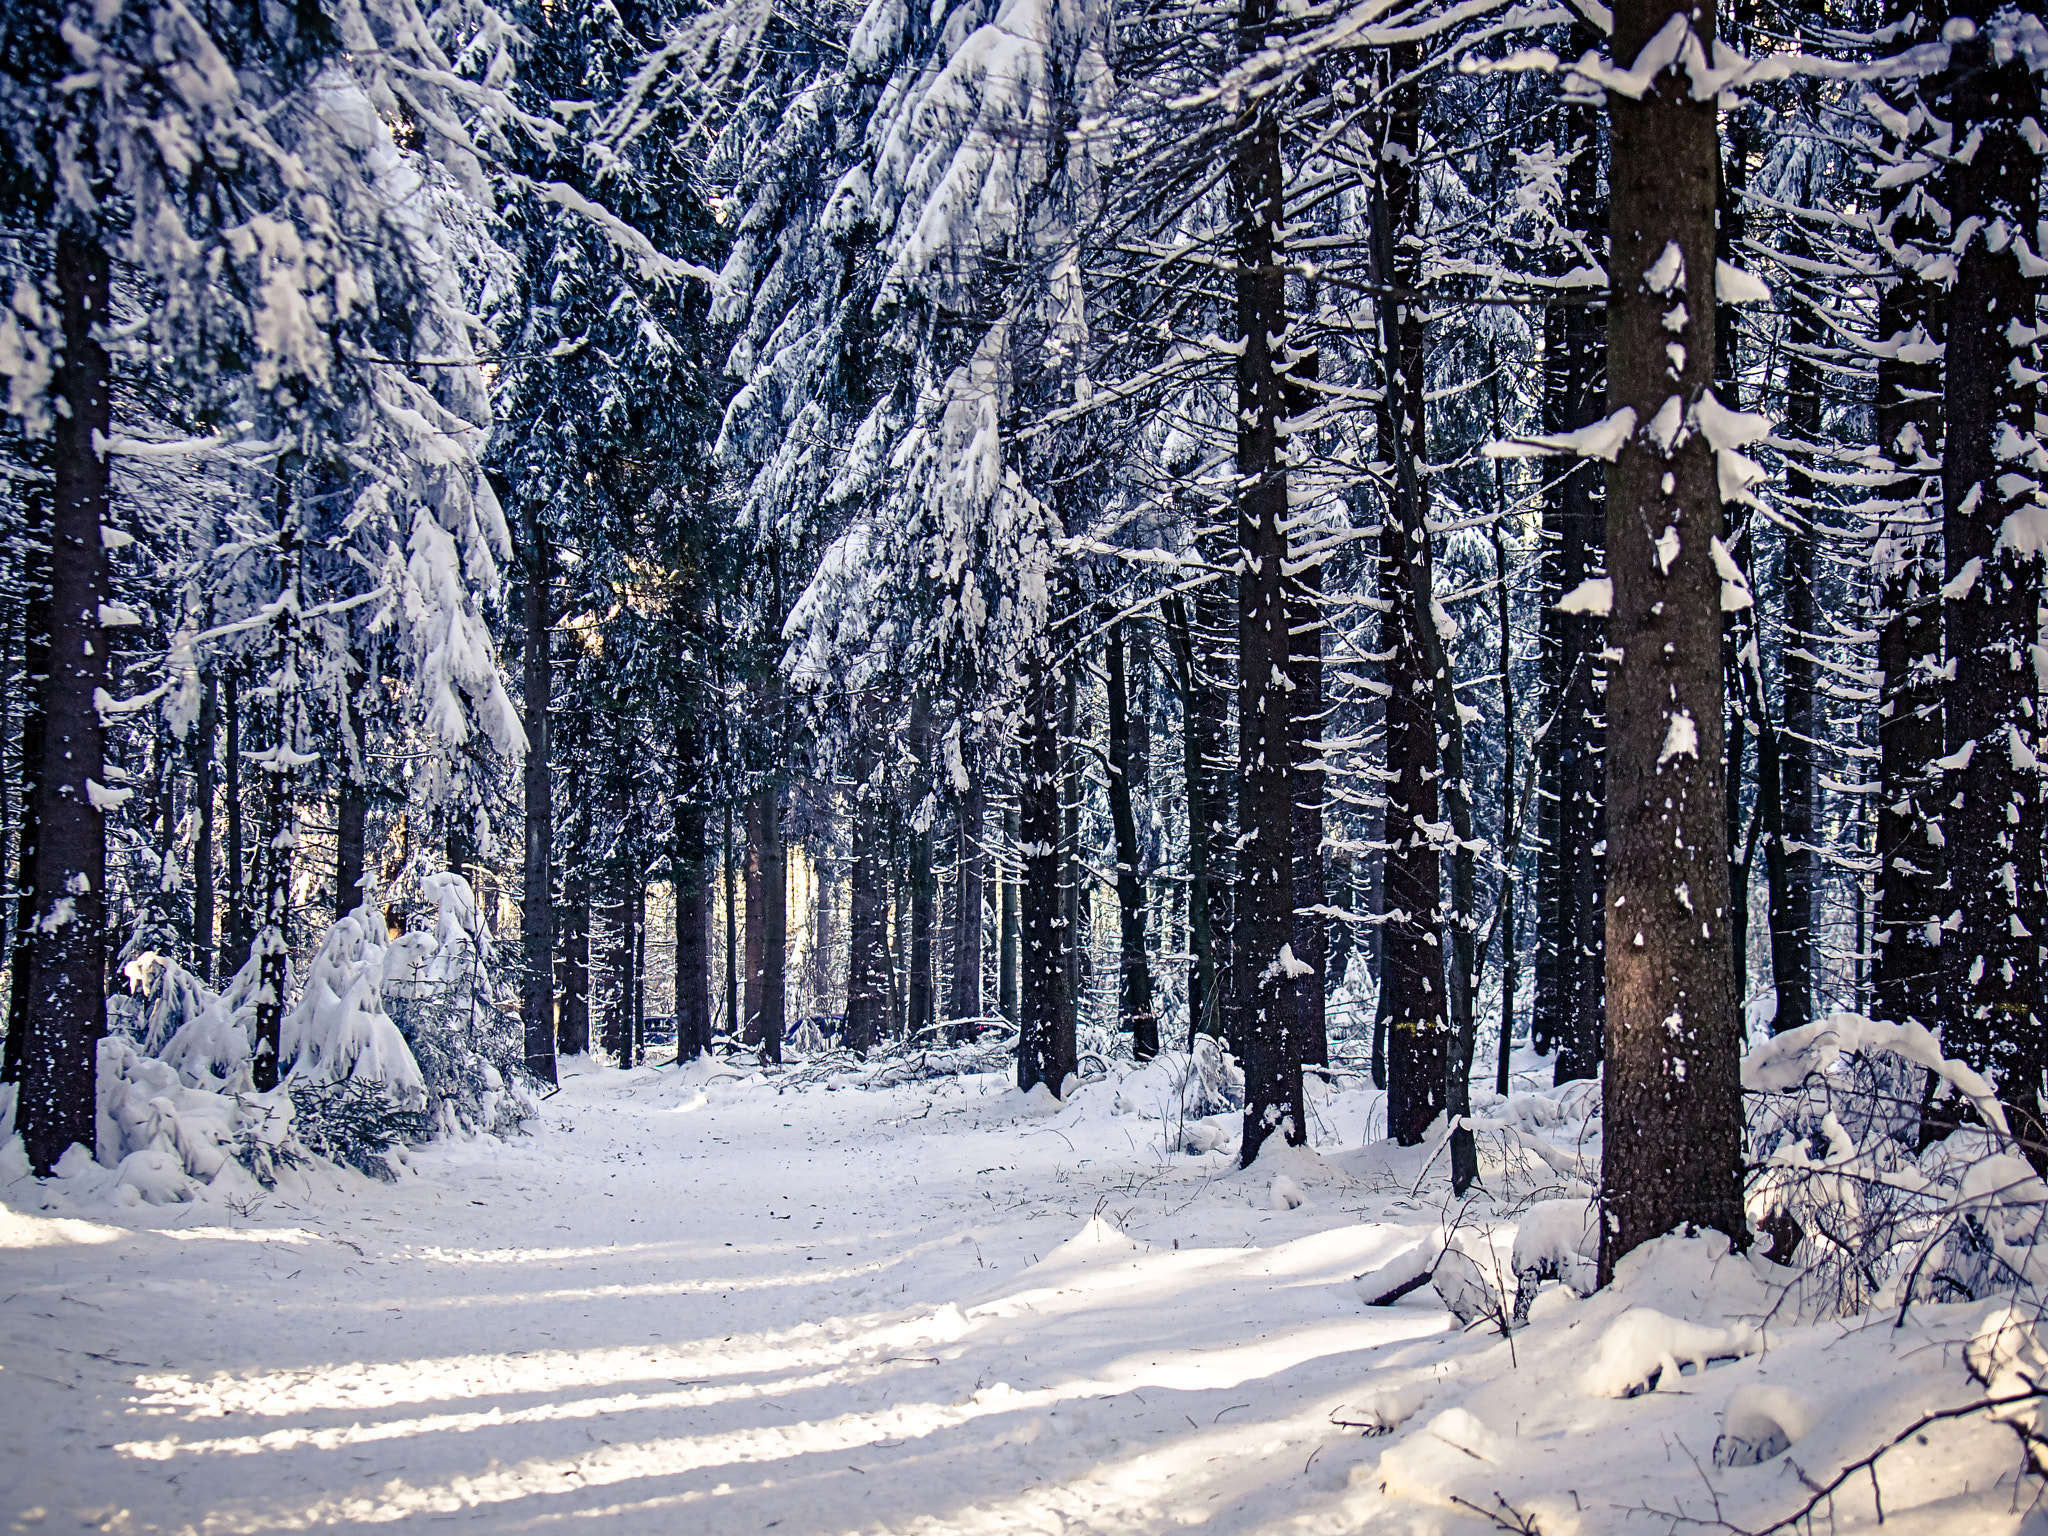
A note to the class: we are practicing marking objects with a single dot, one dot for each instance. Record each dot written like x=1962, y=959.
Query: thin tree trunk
x=1305, y=729
x=66, y=979
x=1510, y=955
x=1910, y=860
x=1269, y=975
x=1135, y=995
x=235, y=949
x=1791, y=890
x=205, y=747
x=867, y=937
x=537, y=906
x=1073, y=905
x=750, y=1031
x=35, y=664
x=1412, y=932
x=1010, y=935
x=923, y=882
x=728, y=867
x=1992, y=813
x=693, y=931
x=965, y=1002
x=774, y=927
x=572, y=1034
x=1046, y=1052
x=1672, y=1098
x=1197, y=748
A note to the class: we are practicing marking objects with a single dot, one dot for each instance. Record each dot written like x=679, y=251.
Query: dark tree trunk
x=352, y=796
x=1073, y=888
x=67, y=968
x=204, y=745
x=274, y=858
x=1198, y=749
x=924, y=885
x=1045, y=1038
x=1268, y=981
x=1305, y=730
x=1911, y=862
x=35, y=666
x=750, y=1031
x=1672, y=1097
x=235, y=945
x=618, y=1009
x=1510, y=814
x=774, y=927
x=1010, y=936
x=1138, y=1020
x=867, y=947
x=537, y=905
x=965, y=1002
x=693, y=930
x=572, y=1035
x=1992, y=813
x=1791, y=890
x=1579, y=782
x=1414, y=970
x=728, y=870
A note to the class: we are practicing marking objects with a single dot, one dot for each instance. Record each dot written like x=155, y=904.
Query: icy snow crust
x=708, y=1300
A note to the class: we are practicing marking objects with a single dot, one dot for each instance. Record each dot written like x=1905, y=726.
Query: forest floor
x=689, y=1302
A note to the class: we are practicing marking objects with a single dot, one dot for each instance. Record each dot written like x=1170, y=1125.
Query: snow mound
x=1097, y=1242
x=1762, y=1422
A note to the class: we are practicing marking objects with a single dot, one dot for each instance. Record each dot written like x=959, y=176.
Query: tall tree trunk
x=352, y=796
x=1402, y=353
x=1510, y=813
x=1269, y=976
x=729, y=872
x=1579, y=728
x=693, y=931
x=573, y=1033
x=1135, y=994
x=1305, y=730
x=867, y=946
x=1992, y=817
x=924, y=881
x=35, y=666
x=1671, y=1094
x=1198, y=749
x=66, y=1009
x=1910, y=860
x=774, y=927
x=756, y=932
x=965, y=1002
x=1792, y=892
x=204, y=747
x=280, y=837
x=618, y=1008
x=537, y=904
x=1046, y=1050
x=1073, y=888
x=1415, y=972
x=235, y=944
x=1009, y=936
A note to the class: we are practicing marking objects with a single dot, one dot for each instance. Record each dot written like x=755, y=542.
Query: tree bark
x=1792, y=892
x=1009, y=936
x=693, y=931
x=1992, y=813
x=1198, y=748
x=1269, y=984
x=1135, y=994
x=774, y=927
x=235, y=939
x=1671, y=1093
x=756, y=932
x=66, y=1009
x=867, y=947
x=1305, y=729
x=965, y=1001
x=537, y=906
x=572, y=1035
x=1046, y=1050
x=1911, y=862
x=35, y=667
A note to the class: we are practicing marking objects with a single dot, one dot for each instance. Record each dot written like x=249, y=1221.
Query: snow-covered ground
x=692, y=1302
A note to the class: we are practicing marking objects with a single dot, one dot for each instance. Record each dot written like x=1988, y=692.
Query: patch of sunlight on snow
x=237, y=1234
x=19, y=1230
x=341, y=1388
x=337, y=1439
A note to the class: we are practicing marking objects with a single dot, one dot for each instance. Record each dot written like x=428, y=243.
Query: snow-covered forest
x=1401, y=641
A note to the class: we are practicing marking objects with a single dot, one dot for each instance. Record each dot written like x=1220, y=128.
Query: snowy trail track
x=691, y=1306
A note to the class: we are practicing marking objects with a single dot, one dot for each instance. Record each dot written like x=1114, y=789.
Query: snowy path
x=726, y=1310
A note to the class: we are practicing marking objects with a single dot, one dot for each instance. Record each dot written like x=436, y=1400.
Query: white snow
x=716, y=1300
